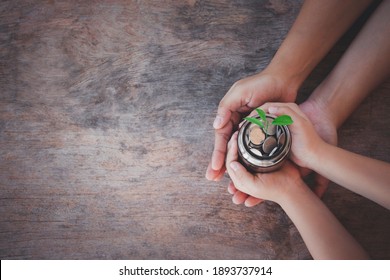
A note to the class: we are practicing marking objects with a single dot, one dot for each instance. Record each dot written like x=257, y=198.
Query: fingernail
x=217, y=122
x=234, y=200
x=272, y=110
x=234, y=166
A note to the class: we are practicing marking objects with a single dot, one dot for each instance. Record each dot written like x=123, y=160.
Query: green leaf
x=261, y=114
x=283, y=120
x=255, y=121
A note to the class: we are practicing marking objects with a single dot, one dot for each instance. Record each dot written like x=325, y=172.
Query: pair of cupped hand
x=309, y=129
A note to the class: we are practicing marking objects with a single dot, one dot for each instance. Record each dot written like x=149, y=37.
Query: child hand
x=305, y=140
x=270, y=186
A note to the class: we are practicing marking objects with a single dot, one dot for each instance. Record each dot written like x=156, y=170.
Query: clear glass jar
x=263, y=151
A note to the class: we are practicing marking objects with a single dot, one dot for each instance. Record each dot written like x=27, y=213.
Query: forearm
x=322, y=233
x=363, y=67
x=365, y=176
x=318, y=26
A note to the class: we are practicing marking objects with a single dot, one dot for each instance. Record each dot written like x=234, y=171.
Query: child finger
x=277, y=108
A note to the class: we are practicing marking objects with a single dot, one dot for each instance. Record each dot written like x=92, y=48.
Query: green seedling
x=263, y=123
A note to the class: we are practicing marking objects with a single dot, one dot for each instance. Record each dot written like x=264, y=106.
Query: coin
x=282, y=139
x=271, y=129
x=256, y=152
x=273, y=151
x=269, y=144
x=256, y=135
x=279, y=131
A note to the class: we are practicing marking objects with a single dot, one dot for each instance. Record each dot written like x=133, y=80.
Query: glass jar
x=263, y=150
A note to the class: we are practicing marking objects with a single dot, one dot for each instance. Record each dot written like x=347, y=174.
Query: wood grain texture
x=106, y=111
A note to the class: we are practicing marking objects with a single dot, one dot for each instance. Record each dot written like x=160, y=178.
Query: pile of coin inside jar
x=263, y=150
x=265, y=143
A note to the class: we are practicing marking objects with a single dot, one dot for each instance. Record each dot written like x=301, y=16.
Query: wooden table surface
x=106, y=111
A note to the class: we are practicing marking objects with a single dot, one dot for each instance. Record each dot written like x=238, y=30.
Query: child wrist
x=315, y=155
x=293, y=194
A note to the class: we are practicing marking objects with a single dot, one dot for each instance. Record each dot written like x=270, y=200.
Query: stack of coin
x=265, y=142
x=256, y=135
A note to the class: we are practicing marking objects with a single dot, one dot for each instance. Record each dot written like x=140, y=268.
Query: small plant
x=263, y=123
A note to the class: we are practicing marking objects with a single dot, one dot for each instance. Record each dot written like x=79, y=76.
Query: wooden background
x=106, y=111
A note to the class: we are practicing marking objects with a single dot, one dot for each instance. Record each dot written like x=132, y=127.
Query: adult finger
x=317, y=182
x=214, y=175
x=235, y=100
x=252, y=201
x=239, y=197
x=321, y=185
x=222, y=137
x=304, y=171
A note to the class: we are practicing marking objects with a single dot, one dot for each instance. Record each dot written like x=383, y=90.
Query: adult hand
x=242, y=98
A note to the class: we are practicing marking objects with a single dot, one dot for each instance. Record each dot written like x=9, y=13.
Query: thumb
x=242, y=179
x=222, y=118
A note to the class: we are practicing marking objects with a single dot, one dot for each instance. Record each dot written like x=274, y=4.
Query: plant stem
x=266, y=129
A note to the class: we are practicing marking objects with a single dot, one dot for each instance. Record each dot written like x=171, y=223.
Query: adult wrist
x=289, y=68
x=288, y=86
